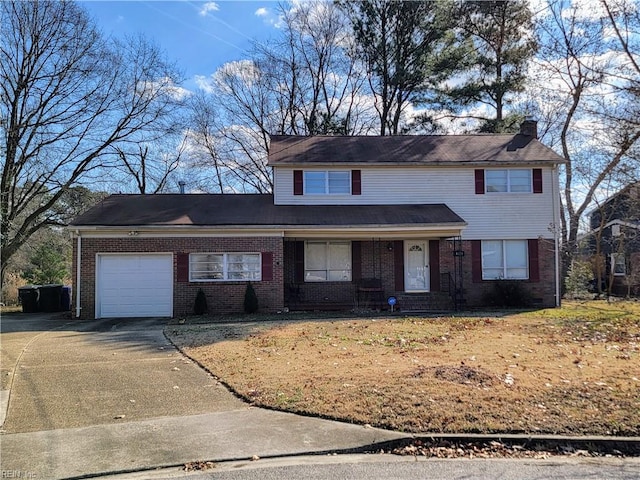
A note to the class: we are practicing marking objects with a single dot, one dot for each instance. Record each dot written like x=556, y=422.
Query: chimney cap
x=529, y=127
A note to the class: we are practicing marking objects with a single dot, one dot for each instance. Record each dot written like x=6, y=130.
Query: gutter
x=78, y=264
x=556, y=232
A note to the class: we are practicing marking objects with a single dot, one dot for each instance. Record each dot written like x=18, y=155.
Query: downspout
x=556, y=232
x=78, y=258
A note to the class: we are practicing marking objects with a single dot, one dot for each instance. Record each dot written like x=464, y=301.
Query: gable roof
x=409, y=150
x=253, y=210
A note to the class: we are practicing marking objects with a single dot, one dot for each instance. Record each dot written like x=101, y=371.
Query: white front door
x=416, y=266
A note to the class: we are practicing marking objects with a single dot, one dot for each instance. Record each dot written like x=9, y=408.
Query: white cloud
x=208, y=7
x=268, y=17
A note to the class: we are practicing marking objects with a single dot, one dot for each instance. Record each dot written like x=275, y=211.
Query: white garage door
x=136, y=285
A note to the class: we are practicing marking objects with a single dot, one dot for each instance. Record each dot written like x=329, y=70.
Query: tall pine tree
x=503, y=40
x=405, y=47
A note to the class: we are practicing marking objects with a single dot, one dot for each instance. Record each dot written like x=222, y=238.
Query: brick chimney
x=529, y=127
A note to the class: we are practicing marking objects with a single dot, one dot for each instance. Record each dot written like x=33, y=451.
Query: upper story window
x=327, y=182
x=508, y=181
x=211, y=267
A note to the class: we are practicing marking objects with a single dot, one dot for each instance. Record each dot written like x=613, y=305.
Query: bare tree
x=304, y=82
x=589, y=87
x=67, y=96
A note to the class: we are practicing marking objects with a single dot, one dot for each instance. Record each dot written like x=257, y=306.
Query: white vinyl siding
x=327, y=262
x=212, y=267
x=513, y=216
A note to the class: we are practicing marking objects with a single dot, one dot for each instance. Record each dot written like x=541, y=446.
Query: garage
x=134, y=285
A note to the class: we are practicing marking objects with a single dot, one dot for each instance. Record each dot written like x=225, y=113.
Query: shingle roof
x=409, y=150
x=256, y=210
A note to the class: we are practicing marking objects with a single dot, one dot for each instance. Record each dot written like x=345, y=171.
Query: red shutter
x=299, y=262
x=398, y=265
x=476, y=261
x=297, y=182
x=356, y=182
x=534, y=261
x=267, y=266
x=356, y=261
x=182, y=267
x=537, y=180
x=479, y=181
x=434, y=265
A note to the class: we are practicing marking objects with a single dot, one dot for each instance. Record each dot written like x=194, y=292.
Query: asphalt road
x=389, y=467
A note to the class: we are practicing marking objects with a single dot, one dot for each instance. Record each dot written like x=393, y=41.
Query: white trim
x=622, y=223
x=282, y=231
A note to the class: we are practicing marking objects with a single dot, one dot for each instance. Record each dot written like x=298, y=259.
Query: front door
x=416, y=270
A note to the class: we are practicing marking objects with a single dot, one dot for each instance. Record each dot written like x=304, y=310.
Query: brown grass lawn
x=574, y=370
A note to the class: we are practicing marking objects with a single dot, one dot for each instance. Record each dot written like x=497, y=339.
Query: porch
x=363, y=274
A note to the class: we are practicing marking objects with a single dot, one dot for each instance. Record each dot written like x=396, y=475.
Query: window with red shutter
x=267, y=266
x=298, y=187
x=479, y=177
x=537, y=180
x=356, y=182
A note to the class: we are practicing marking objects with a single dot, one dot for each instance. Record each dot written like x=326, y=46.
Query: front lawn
x=574, y=370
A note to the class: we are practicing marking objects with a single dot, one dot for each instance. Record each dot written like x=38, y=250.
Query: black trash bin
x=50, y=298
x=65, y=299
x=28, y=296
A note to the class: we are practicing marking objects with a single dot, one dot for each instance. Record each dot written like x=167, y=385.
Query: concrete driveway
x=89, y=373
x=114, y=395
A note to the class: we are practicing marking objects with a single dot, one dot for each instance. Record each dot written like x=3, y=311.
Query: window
x=505, y=259
x=327, y=262
x=508, y=180
x=208, y=267
x=330, y=182
x=618, y=264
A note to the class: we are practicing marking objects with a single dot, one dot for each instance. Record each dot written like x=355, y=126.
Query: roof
x=253, y=210
x=409, y=150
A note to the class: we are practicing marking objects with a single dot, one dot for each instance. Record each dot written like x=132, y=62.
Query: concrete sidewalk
x=171, y=441
x=90, y=398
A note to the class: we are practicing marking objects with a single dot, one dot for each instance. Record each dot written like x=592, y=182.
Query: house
x=615, y=238
x=433, y=221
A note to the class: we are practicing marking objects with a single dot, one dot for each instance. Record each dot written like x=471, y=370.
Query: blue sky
x=198, y=36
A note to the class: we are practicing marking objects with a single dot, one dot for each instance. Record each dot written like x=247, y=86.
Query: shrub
x=578, y=278
x=250, y=299
x=200, y=306
x=508, y=293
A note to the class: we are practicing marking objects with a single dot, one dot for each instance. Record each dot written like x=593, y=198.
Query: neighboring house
x=434, y=221
x=615, y=237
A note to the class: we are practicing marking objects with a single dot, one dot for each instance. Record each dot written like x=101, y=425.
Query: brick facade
x=222, y=297
x=542, y=292
x=377, y=261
